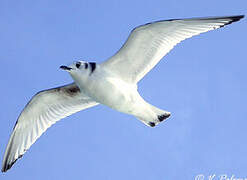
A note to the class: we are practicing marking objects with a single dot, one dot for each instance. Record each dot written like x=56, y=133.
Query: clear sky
x=202, y=81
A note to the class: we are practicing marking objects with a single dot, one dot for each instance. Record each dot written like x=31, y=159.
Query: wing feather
x=43, y=110
x=147, y=44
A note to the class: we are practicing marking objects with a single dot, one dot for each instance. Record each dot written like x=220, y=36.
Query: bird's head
x=80, y=68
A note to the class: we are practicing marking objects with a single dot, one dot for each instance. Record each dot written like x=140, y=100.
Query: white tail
x=155, y=116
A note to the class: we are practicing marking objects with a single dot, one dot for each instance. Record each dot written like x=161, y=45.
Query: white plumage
x=112, y=83
x=147, y=44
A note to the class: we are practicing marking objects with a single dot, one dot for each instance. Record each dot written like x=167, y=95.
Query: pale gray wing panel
x=43, y=110
x=147, y=44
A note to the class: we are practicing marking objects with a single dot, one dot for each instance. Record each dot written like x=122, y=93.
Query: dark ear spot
x=86, y=65
x=93, y=66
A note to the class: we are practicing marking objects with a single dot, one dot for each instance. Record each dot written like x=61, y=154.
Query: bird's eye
x=78, y=64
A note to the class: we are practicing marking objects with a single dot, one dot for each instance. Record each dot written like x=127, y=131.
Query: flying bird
x=112, y=83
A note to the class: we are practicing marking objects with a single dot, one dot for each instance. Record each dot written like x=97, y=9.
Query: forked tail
x=154, y=116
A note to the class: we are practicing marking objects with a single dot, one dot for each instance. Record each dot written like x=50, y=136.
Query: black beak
x=66, y=68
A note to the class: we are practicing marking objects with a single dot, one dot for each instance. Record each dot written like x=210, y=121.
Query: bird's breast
x=111, y=91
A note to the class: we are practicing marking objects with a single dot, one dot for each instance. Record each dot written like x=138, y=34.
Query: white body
x=107, y=88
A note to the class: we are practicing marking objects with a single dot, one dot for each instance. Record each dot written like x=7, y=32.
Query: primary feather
x=44, y=109
x=148, y=43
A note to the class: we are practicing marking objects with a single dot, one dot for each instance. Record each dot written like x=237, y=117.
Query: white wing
x=147, y=44
x=43, y=110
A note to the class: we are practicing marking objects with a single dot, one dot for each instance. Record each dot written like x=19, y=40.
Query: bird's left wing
x=43, y=110
x=147, y=44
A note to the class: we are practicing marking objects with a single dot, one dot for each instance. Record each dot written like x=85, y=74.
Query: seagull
x=112, y=83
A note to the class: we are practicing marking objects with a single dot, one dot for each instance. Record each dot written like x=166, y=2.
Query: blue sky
x=202, y=81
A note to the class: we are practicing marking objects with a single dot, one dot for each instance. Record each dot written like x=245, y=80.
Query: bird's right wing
x=43, y=110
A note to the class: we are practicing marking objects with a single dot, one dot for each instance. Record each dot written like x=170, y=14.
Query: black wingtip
x=7, y=166
x=236, y=18
x=7, y=161
x=233, y=19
